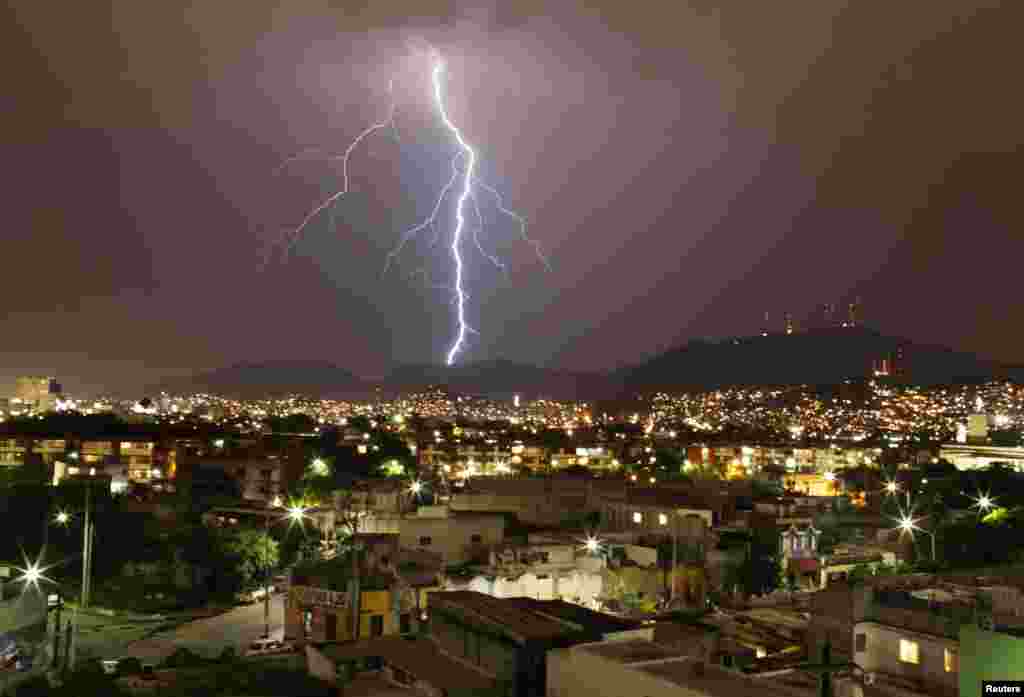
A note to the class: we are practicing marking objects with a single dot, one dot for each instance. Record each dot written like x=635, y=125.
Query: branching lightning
x=463, y=179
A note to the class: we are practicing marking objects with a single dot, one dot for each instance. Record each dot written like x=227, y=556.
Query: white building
x=540, y=571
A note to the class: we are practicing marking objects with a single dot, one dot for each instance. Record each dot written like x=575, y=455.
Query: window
x=662, y=519
x=405, y=623
x=376, y=625
x=952, y=661
x=425, y=541
x=862, y=642
x=638, y=517
x=476, y=539
x=909, y=652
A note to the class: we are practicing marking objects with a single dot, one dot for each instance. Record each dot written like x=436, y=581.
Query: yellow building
x=318, y=605
x=812, y=484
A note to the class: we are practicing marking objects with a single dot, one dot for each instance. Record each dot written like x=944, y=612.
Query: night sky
x=687, y=166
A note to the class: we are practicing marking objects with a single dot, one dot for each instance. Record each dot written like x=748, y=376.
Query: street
x=209, y=636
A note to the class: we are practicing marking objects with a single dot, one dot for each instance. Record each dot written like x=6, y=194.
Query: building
x=35, y=394
x=454, y=538
x=510, y=639
x=543, y=571
x=800, y=553
x=379, y=665
x=974, y=457
x=318, y=605
x=638, y=667
x=904, y=632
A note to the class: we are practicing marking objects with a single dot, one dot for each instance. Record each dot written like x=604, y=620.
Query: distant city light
x=319, y=467
x=62, y=517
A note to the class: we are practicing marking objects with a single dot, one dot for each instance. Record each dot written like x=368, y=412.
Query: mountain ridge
x=825, y=356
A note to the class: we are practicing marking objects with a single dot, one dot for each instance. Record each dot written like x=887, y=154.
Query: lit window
x=909, y=652
x=638, y=517
x=662, y=519
x=862, y=642
x=951, y=661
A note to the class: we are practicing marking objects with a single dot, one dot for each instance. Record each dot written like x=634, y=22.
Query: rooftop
x=586, y=618
x=630, y=652
x=525, y=624
x=714, y=680
x=418, y=657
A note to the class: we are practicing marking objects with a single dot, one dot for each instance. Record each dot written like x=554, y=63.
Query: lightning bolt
x=460, y=213
x=464, y=165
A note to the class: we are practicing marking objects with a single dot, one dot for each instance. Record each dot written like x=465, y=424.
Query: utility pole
x=266, y=577
x=675, y=558
x=87, y=549
x=56, y=629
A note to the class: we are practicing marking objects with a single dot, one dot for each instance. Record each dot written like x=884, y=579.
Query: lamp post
x=295, y=514
x=909, y=525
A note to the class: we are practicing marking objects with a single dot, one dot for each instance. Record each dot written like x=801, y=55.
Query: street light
x=319, y=467
x=984, y=502
x=909, y=525
x=593, y=545
x=294, y=514
x=62, y=518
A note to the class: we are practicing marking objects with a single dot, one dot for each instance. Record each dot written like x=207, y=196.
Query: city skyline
x=683, y=183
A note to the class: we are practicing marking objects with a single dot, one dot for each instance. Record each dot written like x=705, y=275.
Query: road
x=209, y=636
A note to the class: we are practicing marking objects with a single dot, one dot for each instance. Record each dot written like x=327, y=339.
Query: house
x=413, y=663
x=544, y=571
x=613, y=669
x=509, y=639
x=318, y=606
x=455, y=538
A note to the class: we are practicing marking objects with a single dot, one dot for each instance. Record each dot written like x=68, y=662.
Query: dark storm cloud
x=687, y=166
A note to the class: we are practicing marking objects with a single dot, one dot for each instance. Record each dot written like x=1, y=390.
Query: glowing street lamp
x=593, y=545
x=62, y=518
x=296, y=513
x=892, y=487
x=319, y=467
x=416, y=487
x=984, y=502
x=909, y=525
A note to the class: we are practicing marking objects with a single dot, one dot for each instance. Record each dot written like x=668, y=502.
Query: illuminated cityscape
x=505, y=349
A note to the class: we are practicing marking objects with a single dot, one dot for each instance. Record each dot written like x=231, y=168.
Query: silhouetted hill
x=271, y=379
x=499, y=380
x=826, y=356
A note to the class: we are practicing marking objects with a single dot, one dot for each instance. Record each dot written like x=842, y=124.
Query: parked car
x=269, y=647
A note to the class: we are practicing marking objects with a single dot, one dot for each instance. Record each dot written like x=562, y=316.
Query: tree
x=254, y=551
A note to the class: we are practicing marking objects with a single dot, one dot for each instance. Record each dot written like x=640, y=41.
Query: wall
x=580, y=587
x=452, y=537
x=319, y=666
x=373, y=603
x=988, y=656
x=882, y=655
